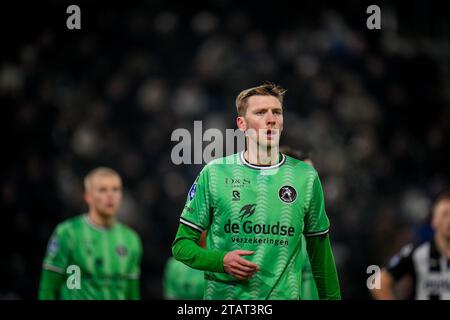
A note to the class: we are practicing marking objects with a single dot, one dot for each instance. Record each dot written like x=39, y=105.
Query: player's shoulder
x=220, y=164
x=69, y=223
x=405, y=252
x=411, y=247
x=299, y=165
x=227, y=160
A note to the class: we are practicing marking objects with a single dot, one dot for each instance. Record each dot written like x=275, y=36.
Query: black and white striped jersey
x=430, y=271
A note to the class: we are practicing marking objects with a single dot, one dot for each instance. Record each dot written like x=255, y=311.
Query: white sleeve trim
x=318, y=233
x=53, y=268
x=190, y=224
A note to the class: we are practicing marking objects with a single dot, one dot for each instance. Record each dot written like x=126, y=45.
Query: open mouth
x=270, y=133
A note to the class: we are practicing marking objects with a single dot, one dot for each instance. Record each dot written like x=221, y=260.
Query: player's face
x=263, y=120
x=441, y=218
x=105, y=194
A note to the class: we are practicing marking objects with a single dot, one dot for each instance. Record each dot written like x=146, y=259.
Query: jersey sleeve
x=196, y=212
x=401, y=264
x=323, y=267
x=316, y=220
x=57, y=255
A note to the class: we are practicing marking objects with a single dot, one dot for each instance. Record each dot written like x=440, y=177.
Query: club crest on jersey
x=192, y=191
x=121, y=251
x=287, y=194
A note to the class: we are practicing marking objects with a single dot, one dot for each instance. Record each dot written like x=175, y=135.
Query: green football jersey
x=107, y=259
x=264, y=209
x=182, y=282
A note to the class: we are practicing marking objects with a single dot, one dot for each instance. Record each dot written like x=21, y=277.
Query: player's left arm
x=323, y=267
x=318, y=244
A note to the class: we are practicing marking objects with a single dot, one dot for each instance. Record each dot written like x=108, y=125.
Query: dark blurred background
x=372, y=106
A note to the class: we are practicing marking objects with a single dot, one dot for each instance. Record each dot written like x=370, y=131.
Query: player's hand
x=238, y=267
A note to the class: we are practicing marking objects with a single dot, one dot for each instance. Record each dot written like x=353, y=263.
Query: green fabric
x=182, y=282
x=108, y=261
x=308, y=289
x=49, y=287
x=134, y=292
x=265, y=210
x=323, y=267
x=186, y=250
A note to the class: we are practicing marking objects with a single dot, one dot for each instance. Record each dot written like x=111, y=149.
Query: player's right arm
x=54, y=265
x=196, y=218
x=50, y=284
x=186, y=250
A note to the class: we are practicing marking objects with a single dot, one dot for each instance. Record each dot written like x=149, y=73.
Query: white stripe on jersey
x=190, y=224
x=53, y=268
x=312, y=234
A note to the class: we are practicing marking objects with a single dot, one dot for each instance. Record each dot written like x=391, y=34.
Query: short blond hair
x=100, y=171
x=266, y=89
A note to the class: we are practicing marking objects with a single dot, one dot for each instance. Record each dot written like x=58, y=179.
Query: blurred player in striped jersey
x=426, y=265
x=94, y=256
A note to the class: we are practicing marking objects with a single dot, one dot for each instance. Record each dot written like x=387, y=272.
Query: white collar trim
x=245, y=162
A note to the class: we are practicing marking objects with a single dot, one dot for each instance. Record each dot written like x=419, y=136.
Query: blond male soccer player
x=94, y=256
x=426, y=264
x=256, y=205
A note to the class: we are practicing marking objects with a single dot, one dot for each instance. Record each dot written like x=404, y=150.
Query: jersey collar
x=94, y=226
x=259, y=167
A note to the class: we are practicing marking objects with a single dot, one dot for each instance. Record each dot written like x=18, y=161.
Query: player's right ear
x=87, y=198
x=240, y=121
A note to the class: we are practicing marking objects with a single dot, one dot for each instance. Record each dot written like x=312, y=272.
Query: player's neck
x=100, y=221
x=443, y=245
x=262, y=155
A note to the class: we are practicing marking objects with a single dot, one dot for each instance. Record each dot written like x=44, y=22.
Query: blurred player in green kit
x=308, y=290
x=93, y=256
x=261, y=209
